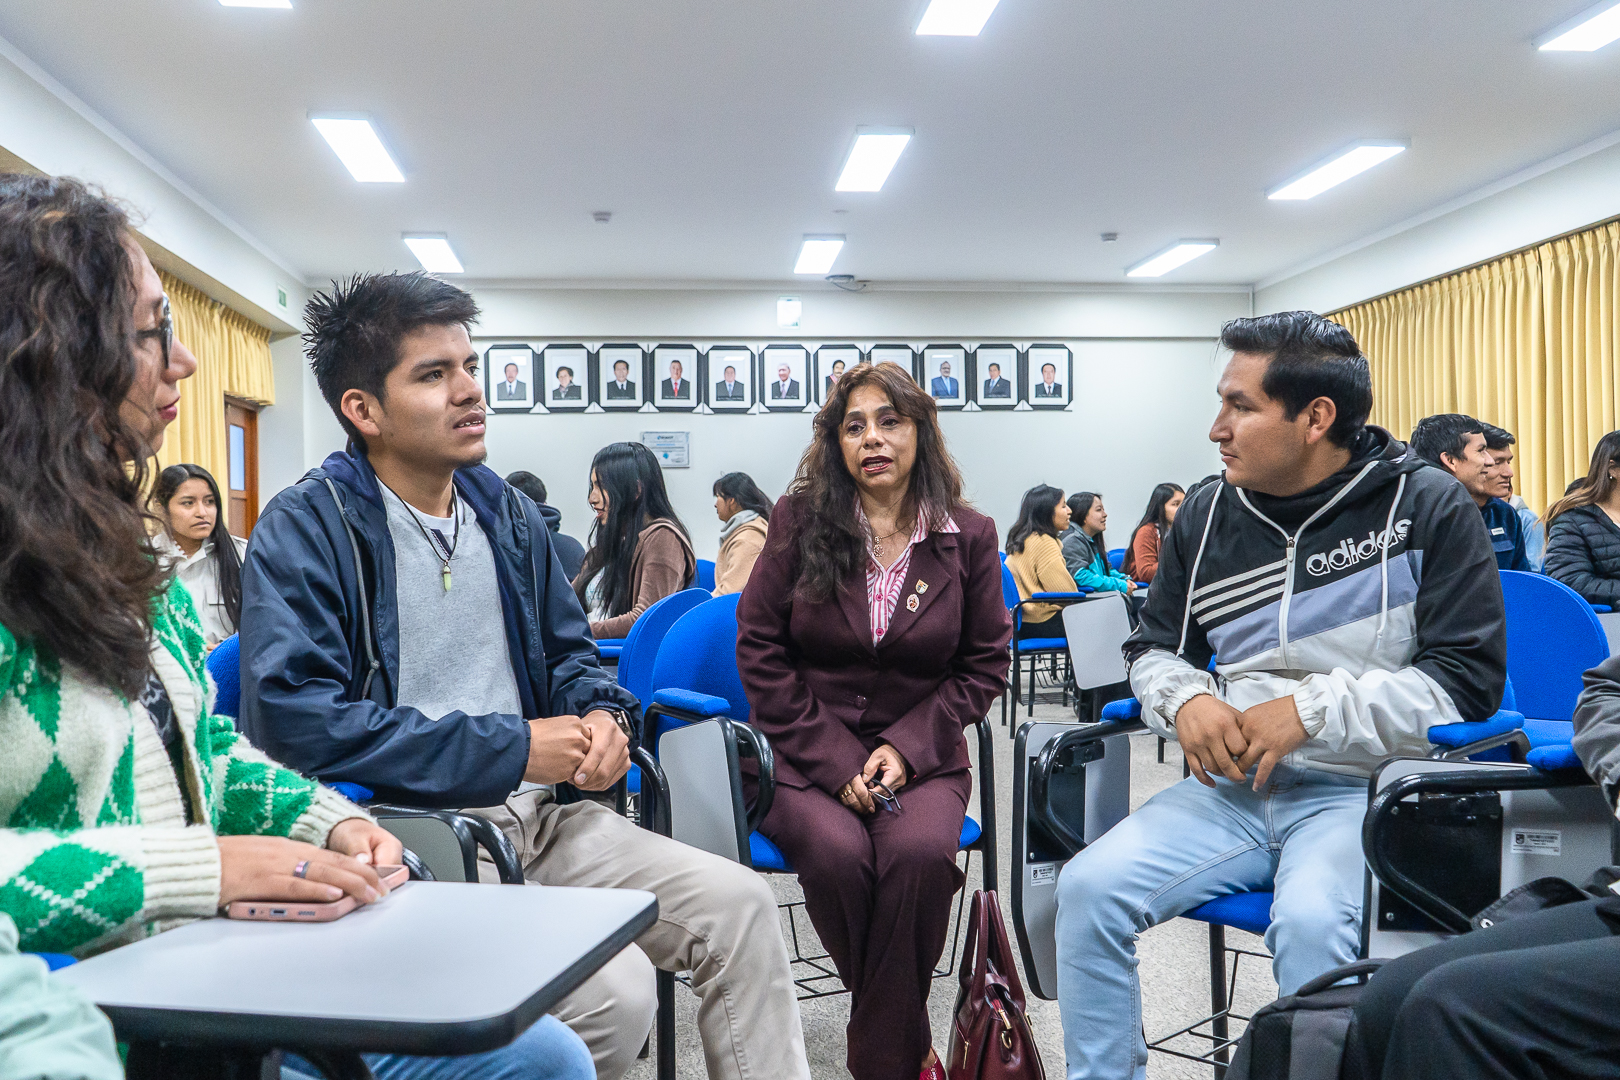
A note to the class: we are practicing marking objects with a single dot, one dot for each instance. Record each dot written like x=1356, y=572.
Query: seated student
x=198, y=546
x=1534, y=995
x=1331, y=656
x=1583, y=529
x=570, y=552
x=1084, y=550
x=48, y=1030
x=407, y=627
x=1142, y=556
x=640, y=552
x=746, y=514
x=1036, y=559
x=1461, y=446
x=129, y=809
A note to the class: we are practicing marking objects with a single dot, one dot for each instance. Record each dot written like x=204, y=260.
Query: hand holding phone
x=297, y=911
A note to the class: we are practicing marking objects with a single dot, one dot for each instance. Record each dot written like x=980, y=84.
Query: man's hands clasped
x=587, y=751
x=1219, y=740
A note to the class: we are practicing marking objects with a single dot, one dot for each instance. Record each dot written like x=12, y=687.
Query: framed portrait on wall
x=894, y=354
x=728, y=378
x=786, y=369
x=996, y=376
x=945, y=375
x=1051, y=376
x=509, y=377
x=567, y=371
x=675, y=369
x=831, y=363
x=620, y=380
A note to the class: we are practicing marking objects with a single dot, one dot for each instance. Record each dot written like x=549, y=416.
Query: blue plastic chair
x=1554, y=638
x=640, y=649
x=1031, y=647
x=705, y=575
x=611, y=648
x=1116, y=558
x=225, y=665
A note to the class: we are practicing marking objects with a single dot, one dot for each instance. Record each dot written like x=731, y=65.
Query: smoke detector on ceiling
x=1109, y=237
x=601, y=217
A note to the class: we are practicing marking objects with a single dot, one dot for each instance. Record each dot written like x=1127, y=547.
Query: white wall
x=1563, y=194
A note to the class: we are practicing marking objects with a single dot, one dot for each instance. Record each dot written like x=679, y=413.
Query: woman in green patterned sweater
x=126, y=807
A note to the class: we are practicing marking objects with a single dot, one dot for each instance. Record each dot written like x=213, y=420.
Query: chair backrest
x=1552, y=638
x=225, y=665
x=647, y=634
x=1009, y=587
x=1116, y=557
x=705, y=575
x=700, y=654
x=1097, y=630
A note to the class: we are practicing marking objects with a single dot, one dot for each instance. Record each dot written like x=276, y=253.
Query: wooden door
x=242, y=451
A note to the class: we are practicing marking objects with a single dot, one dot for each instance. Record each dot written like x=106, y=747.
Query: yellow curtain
x=233, y=357
x=1528, y=342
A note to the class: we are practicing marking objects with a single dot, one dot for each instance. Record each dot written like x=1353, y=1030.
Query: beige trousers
x=716, y=919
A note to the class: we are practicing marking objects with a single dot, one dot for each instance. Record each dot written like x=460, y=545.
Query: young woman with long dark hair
x=199, y=548
x=639, y=551
x=101, y=652
x=1142, y=553
x=1085, y=552
x=746, y=514
x=1583, y=529
x=1035, y=557
x=871, y=633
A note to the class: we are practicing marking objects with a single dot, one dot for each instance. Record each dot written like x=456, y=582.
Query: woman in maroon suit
x=872, y=631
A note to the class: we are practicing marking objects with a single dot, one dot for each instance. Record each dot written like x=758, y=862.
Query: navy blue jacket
x=319, y=684
x=1507, y=536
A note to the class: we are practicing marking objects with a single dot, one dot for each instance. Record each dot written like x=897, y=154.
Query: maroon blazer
x=826, y=697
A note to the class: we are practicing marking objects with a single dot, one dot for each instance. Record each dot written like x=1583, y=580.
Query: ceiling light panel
x=818, y=254
x=1590, y=30
x=358, y=146
x=872, y=158
x=955, y=18
x=433, y=251
x=1336, y=170
x=285, y=5
x=1180, y=253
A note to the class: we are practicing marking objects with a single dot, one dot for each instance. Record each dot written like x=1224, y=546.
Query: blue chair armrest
x=1555, y=757
x=54, y=961
x=1454, y=735
x=689, y=701
x=1601, y=609
x=1080, y=595
x=611, y=641
x=1123, y=709
x=355, y=793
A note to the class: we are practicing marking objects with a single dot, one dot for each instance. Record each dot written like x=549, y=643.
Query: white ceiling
x=714, y=129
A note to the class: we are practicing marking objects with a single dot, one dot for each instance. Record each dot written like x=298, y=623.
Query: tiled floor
x=1174, y=958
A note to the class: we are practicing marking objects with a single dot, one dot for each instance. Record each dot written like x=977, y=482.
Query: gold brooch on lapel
x=922, y=586
x=911, y=602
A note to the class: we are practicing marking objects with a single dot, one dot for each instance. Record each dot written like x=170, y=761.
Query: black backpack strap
x=1358, y=970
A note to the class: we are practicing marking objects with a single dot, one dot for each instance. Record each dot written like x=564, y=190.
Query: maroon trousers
x=878, y=890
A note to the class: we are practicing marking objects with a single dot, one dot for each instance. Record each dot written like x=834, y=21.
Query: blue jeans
x=1300, y=836
x=547, y=1051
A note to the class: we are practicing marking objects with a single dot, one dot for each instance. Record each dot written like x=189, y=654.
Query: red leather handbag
x=990, y=1036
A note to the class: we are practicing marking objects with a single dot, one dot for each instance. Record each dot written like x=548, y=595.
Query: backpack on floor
x=1302, y=1036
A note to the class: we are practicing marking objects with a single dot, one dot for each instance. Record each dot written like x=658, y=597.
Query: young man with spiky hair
x=407, y=626
x=1480, y=456
x=1348, y=598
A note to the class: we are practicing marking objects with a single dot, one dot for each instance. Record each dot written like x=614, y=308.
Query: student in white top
x=201, y=550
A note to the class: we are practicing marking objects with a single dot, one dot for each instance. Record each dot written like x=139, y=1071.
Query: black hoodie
x=1372, y=598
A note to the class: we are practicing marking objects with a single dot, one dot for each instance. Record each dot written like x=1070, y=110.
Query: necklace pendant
x=446, y=575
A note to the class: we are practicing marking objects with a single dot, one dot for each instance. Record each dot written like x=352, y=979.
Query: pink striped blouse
x=883, y=585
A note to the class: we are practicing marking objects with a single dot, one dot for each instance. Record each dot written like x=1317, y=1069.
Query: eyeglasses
x=163, y=332
x=880, y=791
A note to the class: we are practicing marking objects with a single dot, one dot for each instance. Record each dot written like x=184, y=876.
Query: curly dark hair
x=78, y=574
x=832, y=545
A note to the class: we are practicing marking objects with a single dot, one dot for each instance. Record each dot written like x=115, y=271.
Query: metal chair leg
x=666, y=1025
x=1218, y=1001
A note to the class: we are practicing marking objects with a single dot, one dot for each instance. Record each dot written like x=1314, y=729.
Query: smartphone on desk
x=305, y=911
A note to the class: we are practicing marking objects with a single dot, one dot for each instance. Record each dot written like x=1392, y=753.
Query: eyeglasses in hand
x=880, y=791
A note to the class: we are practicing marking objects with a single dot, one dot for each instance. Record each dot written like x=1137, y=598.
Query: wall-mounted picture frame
x=1051, y=376
x=945, y=375
x=894, y=354
x=509, y=377
x=566, y=374
x=785, y=371
x=831, y=363
x=728, y=378
x=620, y=377
x=995, y=376
x=675, y=372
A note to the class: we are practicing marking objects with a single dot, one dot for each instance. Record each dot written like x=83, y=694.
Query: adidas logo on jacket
x=1372, y=598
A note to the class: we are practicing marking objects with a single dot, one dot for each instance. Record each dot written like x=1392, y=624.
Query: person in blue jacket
x=407, y=626
x=1468, y=449
x=1084, y=551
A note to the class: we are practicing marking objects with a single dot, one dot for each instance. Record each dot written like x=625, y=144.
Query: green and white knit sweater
x=95, y=850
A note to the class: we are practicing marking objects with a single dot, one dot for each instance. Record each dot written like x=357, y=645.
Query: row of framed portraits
x=775, y=377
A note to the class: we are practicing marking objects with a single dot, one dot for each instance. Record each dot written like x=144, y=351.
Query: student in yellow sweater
x=1036, y=559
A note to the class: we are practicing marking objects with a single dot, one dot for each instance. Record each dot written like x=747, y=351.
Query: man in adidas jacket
x=1349, y=597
